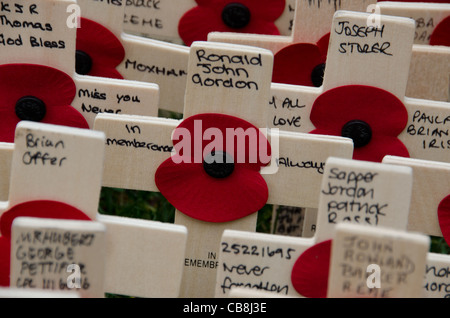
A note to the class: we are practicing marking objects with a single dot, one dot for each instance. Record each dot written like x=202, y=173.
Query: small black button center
x=30, y=108
x=317, y=75
x=359, y=131
x=236, y=15
x=218, y=164
x=83, y=63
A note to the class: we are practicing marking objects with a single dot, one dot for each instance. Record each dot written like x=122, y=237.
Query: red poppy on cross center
x=36, y=93
x=242, y=16
x=371, y=117
x=215, y=174
x=98, y=51
x=38, y=209
x=301, y=63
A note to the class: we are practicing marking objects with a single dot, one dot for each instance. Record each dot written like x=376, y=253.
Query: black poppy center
x=317, y=75
x=359, y=131
x=30, y=108
x=218, y=164
x=83, y=63
x=236, y=15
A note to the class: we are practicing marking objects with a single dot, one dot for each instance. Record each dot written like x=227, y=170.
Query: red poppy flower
x=39, y=209
x=372, y=117
x=441, y=33
x=36, y=93
x=243, y=16
x=214, y=176
x=444, y=218
x=310, y=272
x=99, y=51
x=301, y=63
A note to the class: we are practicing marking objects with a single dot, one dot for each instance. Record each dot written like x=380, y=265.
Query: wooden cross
x=53, y=166
x=43, y=251
x=130, y=258
x=426, y=59
x=159, y=19
x=376, y=263
x=352, y=191
x=431, y=186
x=43, y=33
x=145, y=60
x=137, y=146
x=437, y=280
x=424, y=133
x=428, y=78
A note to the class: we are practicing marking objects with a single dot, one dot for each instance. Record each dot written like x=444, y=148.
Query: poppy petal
x=104, y=48
x=444, y=218
x=441, y=34
x=195, y=25
x=295, y=63
x=310, y=272
x=383, y=111
x=65, y=116
x=269, y=10
x=5, y=260
x=41, y=209
x=8, y=123
x=50, y=85
x=191, y=191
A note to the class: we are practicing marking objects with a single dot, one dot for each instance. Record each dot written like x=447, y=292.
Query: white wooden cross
x=426, y=59
x=138, y=145
x=429, y=68
x=51, y=23
x=424, y=130
x=50, y=41
x=136, y=251
x=145, y=60
x=424, y=133
x=431, y=185
x=44, y=251
x=159, y=19
x=352, y=191
x=377, y=263
x=53, y=164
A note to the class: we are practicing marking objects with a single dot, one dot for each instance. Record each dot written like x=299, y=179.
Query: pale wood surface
x=85, y=248
x=6, y=153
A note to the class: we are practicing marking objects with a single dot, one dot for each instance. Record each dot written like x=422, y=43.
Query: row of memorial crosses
x=218, y=87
